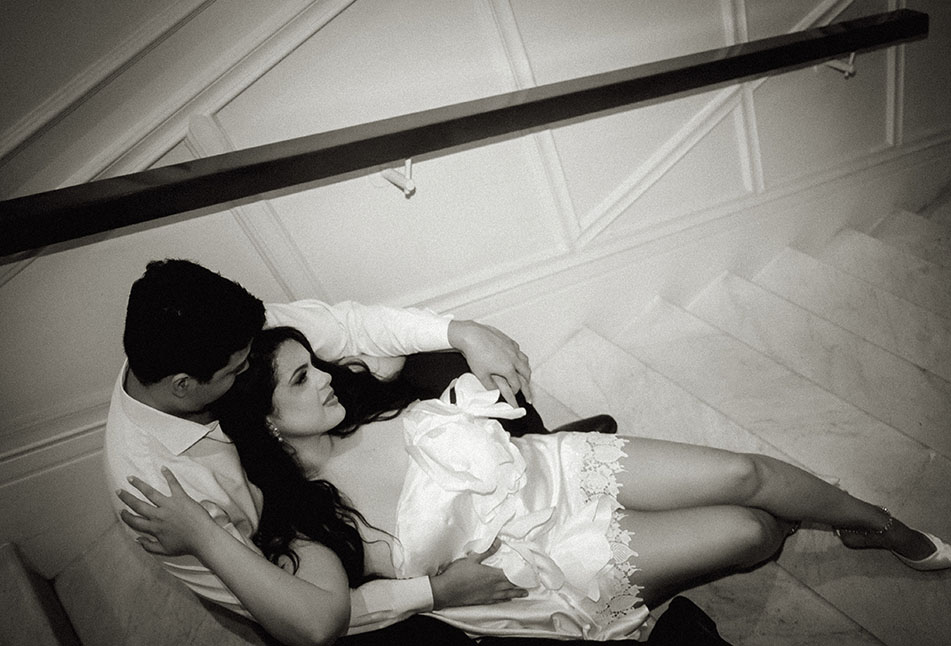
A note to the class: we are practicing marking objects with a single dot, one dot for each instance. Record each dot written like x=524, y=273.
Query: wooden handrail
x=36, y=221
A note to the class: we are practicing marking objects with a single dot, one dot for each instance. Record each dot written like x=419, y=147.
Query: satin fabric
x=549, y=500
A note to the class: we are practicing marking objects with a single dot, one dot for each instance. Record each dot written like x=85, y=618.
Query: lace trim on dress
x=599, y=469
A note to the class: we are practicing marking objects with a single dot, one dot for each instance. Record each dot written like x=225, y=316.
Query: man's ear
x=181, y=384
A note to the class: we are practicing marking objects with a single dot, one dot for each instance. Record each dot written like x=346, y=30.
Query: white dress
x=551, y=500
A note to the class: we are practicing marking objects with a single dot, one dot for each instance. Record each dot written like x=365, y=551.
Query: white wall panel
x=377, y=59
x=475, y=214
x=765, y=18
x=927, y=80
x=177, y=154
x=566, y=39
x=54, y=52
x=709, y=174
x=51, y=515
x=81, y=142
x=601, y=153
x=814, y=119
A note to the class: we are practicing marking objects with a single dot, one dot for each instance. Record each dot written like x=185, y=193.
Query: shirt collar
x=175, y=434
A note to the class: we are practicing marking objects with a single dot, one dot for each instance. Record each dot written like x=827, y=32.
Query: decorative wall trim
x=259, y=221
x=669, y=154
x=823, y=13
x=735, y=19
x=50, y=443
x=687, y=227
x=735, y=24
x=895, y=89
x=545, y=147
x=752, y=160
x=268, y=47
x=661, y=161
x=97, y=75
x=512, y=43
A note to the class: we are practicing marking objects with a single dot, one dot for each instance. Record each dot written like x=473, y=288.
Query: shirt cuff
x=382, y=602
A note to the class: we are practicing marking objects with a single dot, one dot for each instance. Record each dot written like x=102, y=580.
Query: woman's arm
x=313, y=608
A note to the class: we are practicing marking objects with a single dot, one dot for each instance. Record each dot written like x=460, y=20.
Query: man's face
x=206, y=393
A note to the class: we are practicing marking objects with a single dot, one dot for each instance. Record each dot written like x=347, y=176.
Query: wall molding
x=145, y=38
x=657, y=164
x=523, y=76
x=823, y=14
x=52, y=442
x=651, y=240
x=266, y=48
x=259, y=222
x=626, y=194
x=895, y=87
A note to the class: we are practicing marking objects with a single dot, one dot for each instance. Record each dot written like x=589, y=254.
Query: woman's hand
x=467, y=582
x=171, y=525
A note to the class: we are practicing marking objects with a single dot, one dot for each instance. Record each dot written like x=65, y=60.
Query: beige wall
x=539, y=234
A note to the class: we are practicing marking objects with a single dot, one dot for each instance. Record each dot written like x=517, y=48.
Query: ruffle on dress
x=467, y=486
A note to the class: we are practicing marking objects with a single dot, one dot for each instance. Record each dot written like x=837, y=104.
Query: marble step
x=830, y=437
x=940, y=211
x=590, y=375
x=784, y=409
x=916, y=235
x=770, y=606
x=890, y=322
x=912, y=278
x=891, y=389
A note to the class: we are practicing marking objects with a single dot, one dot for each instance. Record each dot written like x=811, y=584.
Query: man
x=187, y=337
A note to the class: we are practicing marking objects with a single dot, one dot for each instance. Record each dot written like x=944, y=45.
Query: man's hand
x=494, y=358
x=466, y=582
x=171, y=525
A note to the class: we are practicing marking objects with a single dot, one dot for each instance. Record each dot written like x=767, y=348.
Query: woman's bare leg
x=659, y=475
x=679, y=548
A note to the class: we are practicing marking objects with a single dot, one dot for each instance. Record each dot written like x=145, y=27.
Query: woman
x=596, y=528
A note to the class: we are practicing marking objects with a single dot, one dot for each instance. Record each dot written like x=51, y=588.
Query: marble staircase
x=837, y=361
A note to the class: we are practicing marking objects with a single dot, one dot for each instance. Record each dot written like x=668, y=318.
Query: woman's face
x=304, y=402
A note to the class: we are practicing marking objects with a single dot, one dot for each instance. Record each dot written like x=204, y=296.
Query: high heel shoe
x=940, y=559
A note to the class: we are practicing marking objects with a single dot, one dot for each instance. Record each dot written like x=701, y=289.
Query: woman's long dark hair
x=295, y=507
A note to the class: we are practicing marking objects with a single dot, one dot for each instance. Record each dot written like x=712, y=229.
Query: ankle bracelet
x=889, y=523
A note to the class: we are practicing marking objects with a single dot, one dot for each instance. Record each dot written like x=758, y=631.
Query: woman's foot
x=938, y=559
x=914, y=548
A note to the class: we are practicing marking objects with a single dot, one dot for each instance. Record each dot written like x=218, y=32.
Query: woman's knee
x=759, y=534
x=745, y=475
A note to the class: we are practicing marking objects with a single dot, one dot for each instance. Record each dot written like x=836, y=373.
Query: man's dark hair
x=184, y=318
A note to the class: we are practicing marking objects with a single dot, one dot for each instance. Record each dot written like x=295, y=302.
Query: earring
x=276, y=434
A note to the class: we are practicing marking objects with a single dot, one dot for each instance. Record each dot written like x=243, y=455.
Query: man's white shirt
x=140, y=440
